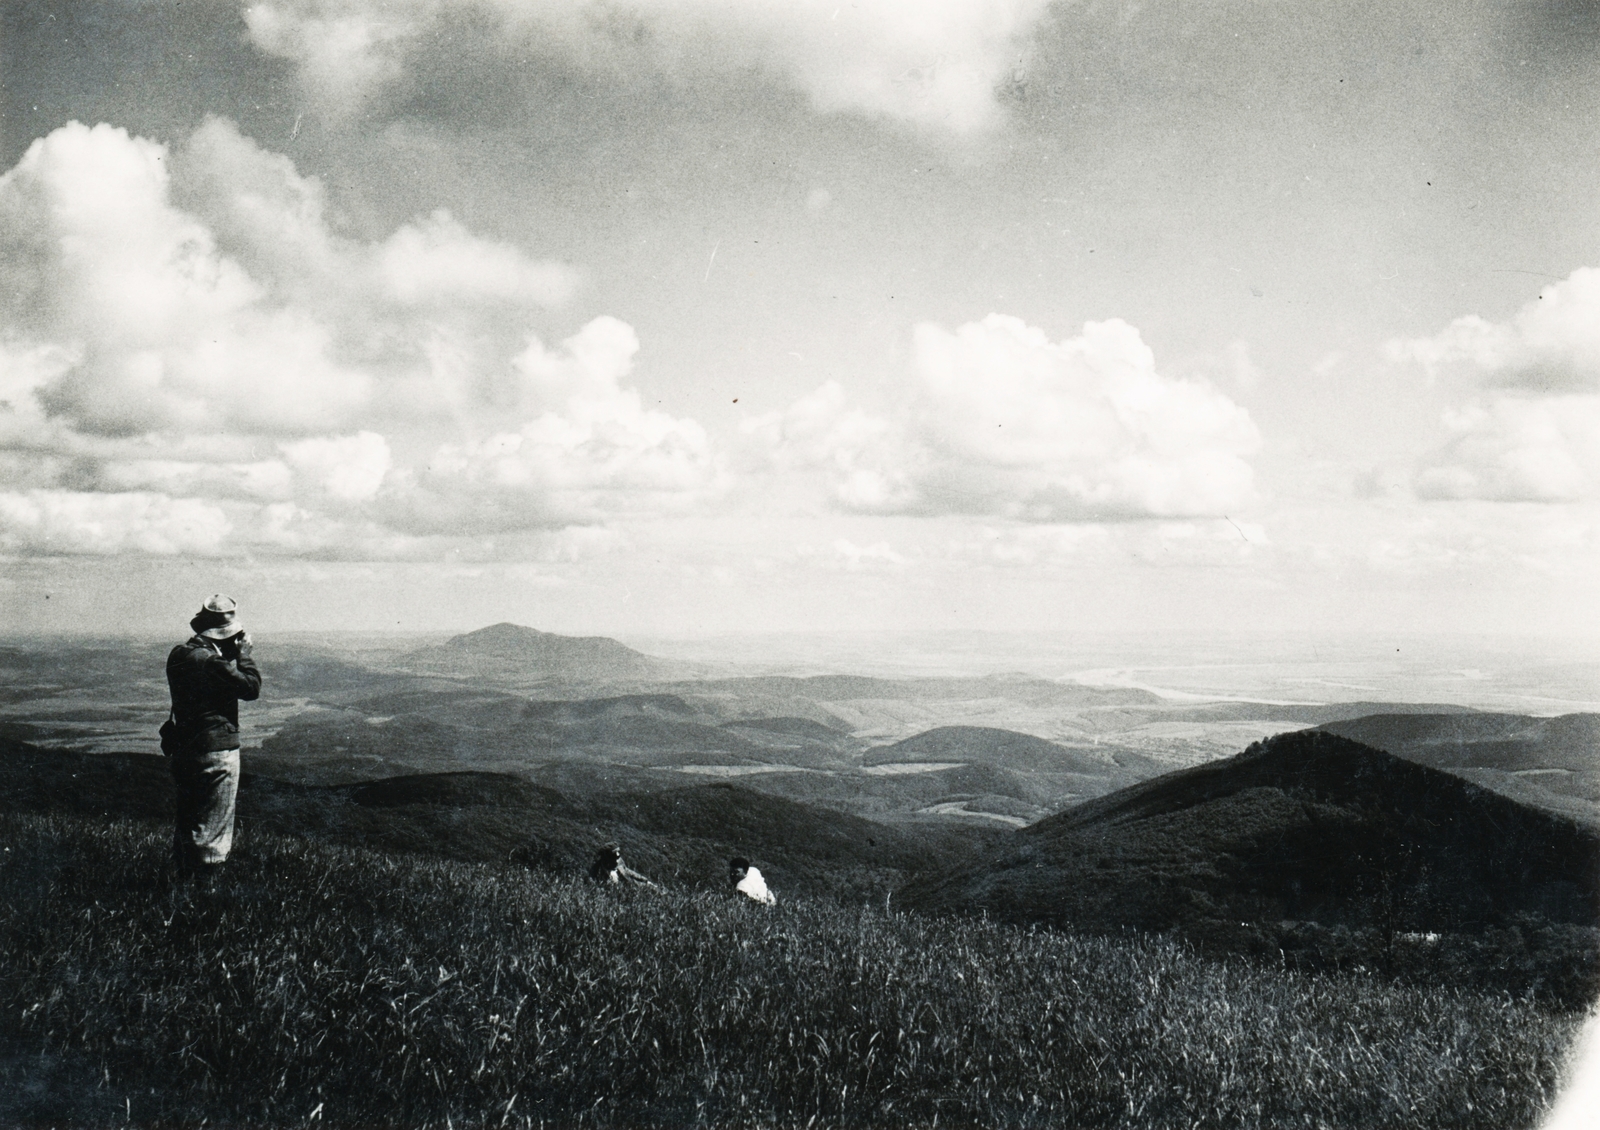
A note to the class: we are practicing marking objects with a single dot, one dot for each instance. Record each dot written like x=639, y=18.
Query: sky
x=688, y=317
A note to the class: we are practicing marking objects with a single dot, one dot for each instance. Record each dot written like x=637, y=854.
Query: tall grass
x=357, y=989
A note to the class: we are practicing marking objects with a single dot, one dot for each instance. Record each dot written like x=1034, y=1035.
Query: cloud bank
x=1531, y=430
x=999, y=420
x=192, y=359
x=931, y=63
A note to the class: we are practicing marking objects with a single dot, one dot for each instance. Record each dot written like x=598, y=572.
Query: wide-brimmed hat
x=218, y=618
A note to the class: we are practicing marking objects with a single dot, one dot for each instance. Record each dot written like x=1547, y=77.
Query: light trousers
x=208, y=789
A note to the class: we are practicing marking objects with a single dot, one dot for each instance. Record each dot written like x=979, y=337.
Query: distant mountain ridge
x=1311, y=714
x=514, y=650
x=839, y=687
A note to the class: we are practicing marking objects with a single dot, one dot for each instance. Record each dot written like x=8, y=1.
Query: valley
x=566, y=742
x=514, y=700
x=1438, y=849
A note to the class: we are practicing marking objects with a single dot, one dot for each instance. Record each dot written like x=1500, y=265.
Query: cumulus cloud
x=439, y=261
x=870, y=461
x=1552, y=345
x=185, y=336
x=594, y=450
x=25, y=369
x=262, y=480
x=343, y=50
x=1168, y=543
x=1530, y=432
x=1517, y=450
x=1003, y=421
x=346, y=468
x=933, y=63
x=166, y=331
x=50, y=522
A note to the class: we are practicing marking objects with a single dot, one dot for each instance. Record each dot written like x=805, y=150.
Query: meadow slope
x=356, y=988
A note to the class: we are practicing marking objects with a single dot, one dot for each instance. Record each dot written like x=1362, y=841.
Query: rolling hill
x=1300, y=842
x=1002, y=772
x=988, y=745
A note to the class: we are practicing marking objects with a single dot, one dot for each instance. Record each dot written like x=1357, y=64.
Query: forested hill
x=1297, y=835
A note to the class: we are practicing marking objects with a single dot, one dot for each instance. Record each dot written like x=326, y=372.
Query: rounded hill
x=1307, y=826
x=530, y=652
x=987, y=745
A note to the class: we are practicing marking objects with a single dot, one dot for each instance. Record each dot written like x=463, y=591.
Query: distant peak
x=547, y=652
x=504, y=630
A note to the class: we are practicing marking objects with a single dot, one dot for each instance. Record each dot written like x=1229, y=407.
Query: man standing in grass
x=208, y=675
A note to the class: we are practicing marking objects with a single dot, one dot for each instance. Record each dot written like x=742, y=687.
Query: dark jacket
x=206, y=690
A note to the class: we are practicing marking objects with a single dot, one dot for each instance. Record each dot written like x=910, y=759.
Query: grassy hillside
x=352, y=988
x=684, y=834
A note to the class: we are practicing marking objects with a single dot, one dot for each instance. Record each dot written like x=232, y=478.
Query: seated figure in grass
x=748, y=882
x=609, y=869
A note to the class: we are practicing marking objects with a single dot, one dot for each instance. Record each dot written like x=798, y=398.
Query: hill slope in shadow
x=1305, y=826
x=1549, y=763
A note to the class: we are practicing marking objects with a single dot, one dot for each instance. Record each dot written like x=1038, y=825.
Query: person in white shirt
x=748, y=882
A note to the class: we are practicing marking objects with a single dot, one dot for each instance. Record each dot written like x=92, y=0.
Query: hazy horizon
x=1518, y=674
